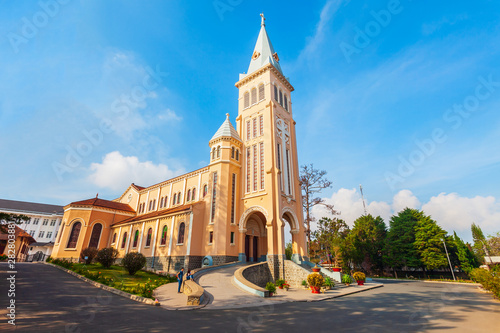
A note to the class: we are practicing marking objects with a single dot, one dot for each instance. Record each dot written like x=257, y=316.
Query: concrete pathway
x=222, y=293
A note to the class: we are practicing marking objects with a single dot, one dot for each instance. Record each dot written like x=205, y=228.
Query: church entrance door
x=247, y=247
x=255, y=251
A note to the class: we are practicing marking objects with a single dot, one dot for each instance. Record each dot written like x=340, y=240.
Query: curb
x=347, y=294
x=136, y=298
x=430, y=281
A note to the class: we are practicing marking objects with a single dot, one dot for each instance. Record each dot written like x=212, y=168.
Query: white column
x=141, y=237
x=128, y=240
x=158, y=199
x=117, y=243
x=171, y=236
x=146, y=208
x=199, y=187
x=154, y=238
x=169, y=199
x=188, y=251
x=184, y=192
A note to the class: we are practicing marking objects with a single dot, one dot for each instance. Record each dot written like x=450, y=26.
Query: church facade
x=234, y=209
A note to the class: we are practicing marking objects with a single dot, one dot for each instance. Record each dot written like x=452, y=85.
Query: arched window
x=114, y=238
x=261, y=92
x=136, y=238
x=275, y=93
x=175, y=198
x=150, y=205
x=218, y=151
x=73, y=236
x=213, y=153
x=281, y=98
x=193, y=194
x=286, y=103
x=124, y=240
x=161, y=202
x=163, y=240
x=254, y=96
x=179, y=198
x=148, y=238
x=188, y=196
x=165, y=201
x=237, y=154
x=95, y=236
x=246, y=99
x=205, y=190
x=180, y=239
x=232, y=152
x=154, y=204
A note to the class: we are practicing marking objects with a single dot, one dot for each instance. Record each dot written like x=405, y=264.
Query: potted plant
x=336, y=269
x=315, y=280
x=346, y=279
x=280, y=283
x=286, y=286
x=316, y=269
x=360, y=277
x=304, y=284
x=328, y=284
x=271, y=288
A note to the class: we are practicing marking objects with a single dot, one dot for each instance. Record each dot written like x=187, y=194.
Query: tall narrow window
x=205, y=190
x=255, y=167
x=281, y=98
x=180, y=239
x=232, y=152
x=248, y=130
x=95, y=236
x=124, y=240
x=148, y=237
x=114, y=238
x=174, y=199
x=248, y=169
x=275, y=93
x=161, y=202
x=179, y=198
x=73, y=236
x=232, y=237
x=188, y=196
x=286, y=103
x=254, y=96
x=288, y=171
x=237, y=154
x=211, y=237
x=261, y=125
x=193, y=194
x=136, y=238
x=165, y=202
x=150, y=204
x=218, y=152
x=163, y=240
x=261, y=92
x=213, y=153
x=246, y=100
x=154, y=204
x=233, y=196
x=254, y=125
x=261, y=165
x=214, y=196
x=279, y=156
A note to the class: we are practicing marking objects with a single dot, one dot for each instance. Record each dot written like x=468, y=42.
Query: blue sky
x=400, y=96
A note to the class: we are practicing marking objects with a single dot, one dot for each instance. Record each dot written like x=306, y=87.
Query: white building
x=43, y=224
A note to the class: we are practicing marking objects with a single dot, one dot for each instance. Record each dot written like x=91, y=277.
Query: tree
x=429, y=238
x=468, y=260
x=480, y=244
x=288, y=251
x=6, y=218
x=107, y=256
x=133, y=262
x=365, y=243
x=312, y=182
x=330, y=236
x=494, y=244
x=400, y=251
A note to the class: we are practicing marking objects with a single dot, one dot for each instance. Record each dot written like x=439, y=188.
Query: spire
x=226, y=130
x=263, y=52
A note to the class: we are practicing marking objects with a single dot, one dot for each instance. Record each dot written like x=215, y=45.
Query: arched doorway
x=290, y=231
x=253, y=234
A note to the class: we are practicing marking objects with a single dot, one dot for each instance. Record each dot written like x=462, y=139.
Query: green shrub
x=346, y=279
x=271, y=287
x=280, y=283
x=63, y=263
x=133, y=262
x=90, y=253
x=315, y=280
x=49, y=259
x=328, y=282
x=359, y=276
x=488, y=279
x=3, y=257
x=304, y=283
x=107, y=256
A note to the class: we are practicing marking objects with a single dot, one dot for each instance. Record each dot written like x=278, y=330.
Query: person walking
x=180, y=275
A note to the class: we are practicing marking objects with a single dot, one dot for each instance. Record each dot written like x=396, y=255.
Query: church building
x=234, y=209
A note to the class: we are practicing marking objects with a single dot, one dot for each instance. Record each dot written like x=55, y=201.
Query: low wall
x=254, y=278
x=194, y=292
x=295, y=274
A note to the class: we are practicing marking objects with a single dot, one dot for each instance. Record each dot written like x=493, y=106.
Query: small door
x=255, y=252
x=247, y=247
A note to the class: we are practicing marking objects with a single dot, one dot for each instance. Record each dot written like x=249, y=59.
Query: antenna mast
x=362, y=197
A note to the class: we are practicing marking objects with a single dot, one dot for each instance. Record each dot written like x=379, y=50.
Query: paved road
x=50, y=300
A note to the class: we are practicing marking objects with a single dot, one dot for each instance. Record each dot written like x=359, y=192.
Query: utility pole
x=452, y=273
x=362, y=197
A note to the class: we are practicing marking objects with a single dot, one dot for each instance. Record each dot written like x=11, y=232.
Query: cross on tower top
x=262, y=23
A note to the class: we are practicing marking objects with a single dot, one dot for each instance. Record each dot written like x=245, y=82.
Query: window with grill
x=261, y=92
x=255, y=167
x=288, y=171
x=261, y=165
x=214, y=196
x=281, y=98
x=73, y=236
x=286, y=103
x=248, y=169
x=248, y=129
x=254, y=96
x=233, y=196
x=261, y=125
x=254, y=125
x=246, y=100
x=275, y=93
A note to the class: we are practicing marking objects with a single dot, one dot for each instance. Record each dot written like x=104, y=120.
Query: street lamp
x=452, y=273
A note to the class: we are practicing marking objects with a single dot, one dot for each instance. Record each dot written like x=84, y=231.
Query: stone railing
x=194, y=292
x=295, y=274
x=253, y=278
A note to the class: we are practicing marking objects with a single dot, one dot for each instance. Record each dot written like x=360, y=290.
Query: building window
x=163, y=240
x=49, y=234
x=254, y=96
x=165, y=201
x=150, y=205
x=193, y=194
x=174, y=199
x=32, y=233
x=73, y=236
x=179, y=198
x=40, y=234
x=261, y=92
x=248, y=130
x=213, y=153
x=288, y=171
x=45, y=221
x=180, y=239
x=232, y=237
x=205, y=190
x=124, y=240
x=233, y=196
x=261, y=165
x=278, y=155
x=237, y=154
x=114, y=238
x=218, y=152
x=161, y=202
x=232, y=152
x=275, y=93
x=35, y=221
x=148, y=237
x=286, y=103
x=255, y=167
x=261, y=125
x=136, y=238
x=154, y=204
x=211, y=237
x=52, y=223
x=246, y=100
x=248, y=169
x=95, y=236
x=59, y=222
x=188, y=196
x=214, y=196
x=254, y=125
x=28, y=221
x=55, y=235
x=281, y=98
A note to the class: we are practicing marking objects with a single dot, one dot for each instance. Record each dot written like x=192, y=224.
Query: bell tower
x=271, y=193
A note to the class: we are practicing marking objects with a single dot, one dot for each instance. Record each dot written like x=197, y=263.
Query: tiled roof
x=96, y=202
x=155, y=214
x=30, y=207
x=19, y=233
x=226, y=130
x=263, y=53
x=137, y=187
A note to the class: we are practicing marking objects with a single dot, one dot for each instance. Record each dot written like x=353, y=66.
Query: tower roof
x=226, y=130
x=263, y=52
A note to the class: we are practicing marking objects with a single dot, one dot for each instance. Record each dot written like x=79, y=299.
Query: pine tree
x=429, y=243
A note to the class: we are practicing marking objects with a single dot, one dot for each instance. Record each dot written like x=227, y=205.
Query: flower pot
x=336, y=269
x=280, y=287
x=315, y=290
x=270, y=294
x=361, y=283
x=316, y=269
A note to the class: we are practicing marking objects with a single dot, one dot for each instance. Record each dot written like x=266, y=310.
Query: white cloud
x=117, y=172
x=451, y=211
x=169, y=115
